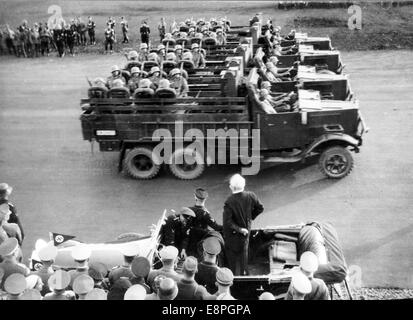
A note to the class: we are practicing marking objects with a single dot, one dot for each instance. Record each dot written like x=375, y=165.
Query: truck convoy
x=222, y=121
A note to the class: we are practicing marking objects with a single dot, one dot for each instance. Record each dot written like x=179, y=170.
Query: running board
x=282, y=159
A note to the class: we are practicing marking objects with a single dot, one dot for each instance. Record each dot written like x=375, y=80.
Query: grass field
x=383, y=28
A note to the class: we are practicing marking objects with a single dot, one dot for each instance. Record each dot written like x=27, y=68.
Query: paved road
x=61, y=186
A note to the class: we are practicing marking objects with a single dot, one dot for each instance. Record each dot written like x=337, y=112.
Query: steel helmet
x=168, y=35
x=143, y=46
x=115, y=68
x=178, y=47
x=152, y=56
x=174, y=72
x=164, y=84
x=187, y=56
x=144, y=83
x=160, y=47
x=154, y=69
x=219, y=30
x=132, y=54
x=135, y=70
x=170, y=56
x=195, y=45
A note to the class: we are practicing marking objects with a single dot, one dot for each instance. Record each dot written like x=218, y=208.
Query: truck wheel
x=139, y=164
x=336, y=162
x=184, y=170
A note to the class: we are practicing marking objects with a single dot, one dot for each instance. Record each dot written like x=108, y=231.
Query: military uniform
x=109, y=39
x=180, y=86
x=70, y=35
x=125, y=29
x=47, y=255
x=319, y=291
x=188, y=288
x=58, y=282
x=133, y=82
x=145, y=32
x=91, y=31
x=207, y=270
x=14, y=218
x=198, y=59
x=174, y=233
x=112, y=78
x=169, y=253
x=7, y=248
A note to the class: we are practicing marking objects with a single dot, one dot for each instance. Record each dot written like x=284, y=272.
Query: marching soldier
x=5, y=192
x=125, y=29
x=47, y=256
x=168, y=255
x=58, y=282
x=176, y=230
x=239, y=209
x=124, y=270
x=91, y=30
x=178, y=83
x=207, y=269
x=143, y=52
x=9, y=250
x=197, y=56
x=145, y=32
x=201, y=222
x=116, y=74
x=81, y=254
x=109, y=39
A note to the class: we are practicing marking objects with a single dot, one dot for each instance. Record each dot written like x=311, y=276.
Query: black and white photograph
x=206, y=150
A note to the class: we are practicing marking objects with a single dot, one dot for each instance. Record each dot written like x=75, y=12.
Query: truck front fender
x=330, y=139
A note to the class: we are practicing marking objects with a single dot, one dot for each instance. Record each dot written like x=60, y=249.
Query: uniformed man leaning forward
x=239, y=210
x=176, y=230
x=201, y=222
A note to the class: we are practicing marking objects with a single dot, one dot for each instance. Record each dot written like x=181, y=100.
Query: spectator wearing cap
x=58, y=283
x=47, y=256
x=176, y=230
x=81, y=254
x=135, y=292
x=224, y=281
x=309, y=265
x=168, y=255
x=8, y=229
x=14, y=285
x=140, y=268
x=168, y=289
x=207, y=268
x=239, y=210
x=197, y=56
x=129, y=252
x=266, y=296
x=201, y=222
x=119, y=288
x=155, y=288
x=5, y=192
x=96, y=294
x=300, y=286
x=188, y=288
x=82, y=285
x=99, y=272
x=9, y=250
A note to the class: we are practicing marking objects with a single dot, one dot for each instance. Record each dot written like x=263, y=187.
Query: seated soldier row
x=145, y=59
x=141, y=84
x=192, y=36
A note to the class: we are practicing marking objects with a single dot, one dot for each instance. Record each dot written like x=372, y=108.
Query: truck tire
x=186, y=171
x=140, y=165
x=336, y=162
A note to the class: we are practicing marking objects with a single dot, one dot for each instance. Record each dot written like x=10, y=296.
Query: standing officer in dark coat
x=176, y=229
x=207, y=268
x=239, y=210
x=145, y=31
x=5, y=192
x=201, y=222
